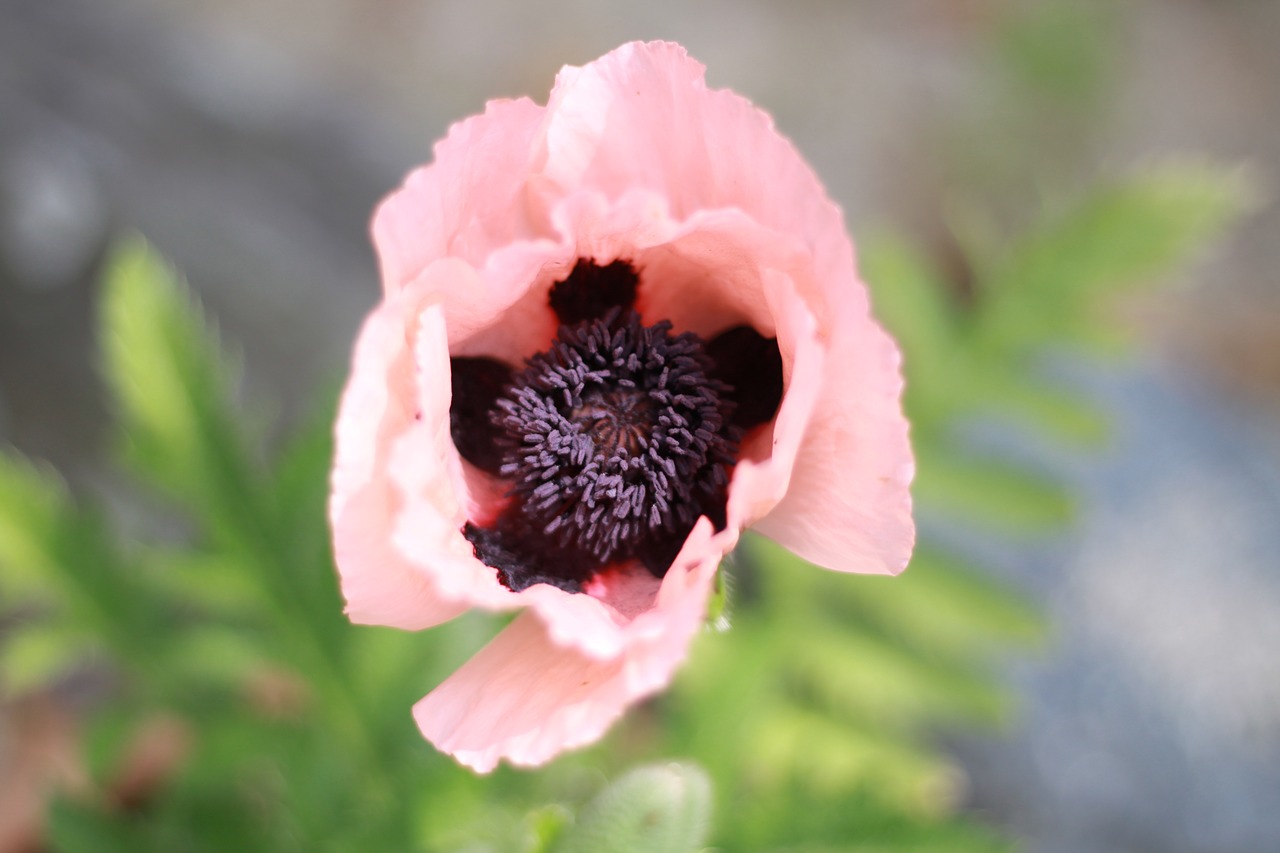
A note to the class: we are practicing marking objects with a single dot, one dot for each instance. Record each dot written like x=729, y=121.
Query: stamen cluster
x=614, y=440
x=616, y=436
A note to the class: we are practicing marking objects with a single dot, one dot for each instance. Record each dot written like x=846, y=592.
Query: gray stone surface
x=1152, y=723
x=115, y=121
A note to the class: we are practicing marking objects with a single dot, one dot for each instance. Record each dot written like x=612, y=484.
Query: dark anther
x=477, y=384
x=751, y=365
x=591, y=291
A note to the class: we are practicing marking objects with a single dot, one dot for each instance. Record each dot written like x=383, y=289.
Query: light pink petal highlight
x=377, y=408
x=855, y=515
x=763, y=473
x=427, y=473
x=525, y=698
x=468, y=202
x=641, y=117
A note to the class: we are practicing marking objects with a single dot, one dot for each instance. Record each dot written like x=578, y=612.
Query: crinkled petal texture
x=632, y=158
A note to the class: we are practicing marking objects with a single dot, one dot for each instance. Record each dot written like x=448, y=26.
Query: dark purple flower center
x=615, y=439
x=618, y=420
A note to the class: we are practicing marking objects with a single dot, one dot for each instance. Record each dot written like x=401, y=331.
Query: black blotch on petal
x=657, y=555
x=591, y=291
x=477, y=384
x=522, y=560
x=716, y=511
x=751, y=365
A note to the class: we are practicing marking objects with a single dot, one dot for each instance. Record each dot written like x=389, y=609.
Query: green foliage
x=1058, y=49
x=173, y=399
x=240, y=633
x=1054, y=286
x=649, y=810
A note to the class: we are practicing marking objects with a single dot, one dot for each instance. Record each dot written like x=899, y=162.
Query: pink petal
x=427, y=475
x=525, y=698
x=377, y=409
x=522, y=698
x=641, y=117
x=467, y=203
x=763, y=474
x=854, y=515
x=499, y=310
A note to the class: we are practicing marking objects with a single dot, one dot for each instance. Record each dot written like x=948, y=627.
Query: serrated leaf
x=879, y=681
x=939, y=605
x=34, y=507
x=174, y=393
x=990, y=491
x=798, y=747
x=51, y=550
x=1121, y=234
x=649, y=810
x=945, y=607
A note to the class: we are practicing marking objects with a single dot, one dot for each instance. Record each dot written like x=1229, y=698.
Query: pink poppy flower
x=615, y=331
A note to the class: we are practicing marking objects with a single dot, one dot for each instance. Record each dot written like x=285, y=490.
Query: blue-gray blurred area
x=249, y=139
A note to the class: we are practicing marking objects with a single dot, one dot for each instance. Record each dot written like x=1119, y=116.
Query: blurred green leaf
x=1032, y=399
x=1049, y=285
x=990, y=491
x=718, y=604
x=890, y=688
x=79, y=828
x=38, y=655
x=220, y=656
x=649, y=810
x=175, y=394
x=156, y=348
x=208, y=583
x=947, y=608
x=826, y=755
x=1058, y=49
x=546, y=825
x=909, y=298
x=54, y=553
x=34, y=510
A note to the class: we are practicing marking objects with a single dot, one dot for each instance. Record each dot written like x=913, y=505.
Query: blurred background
x=249, y=139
